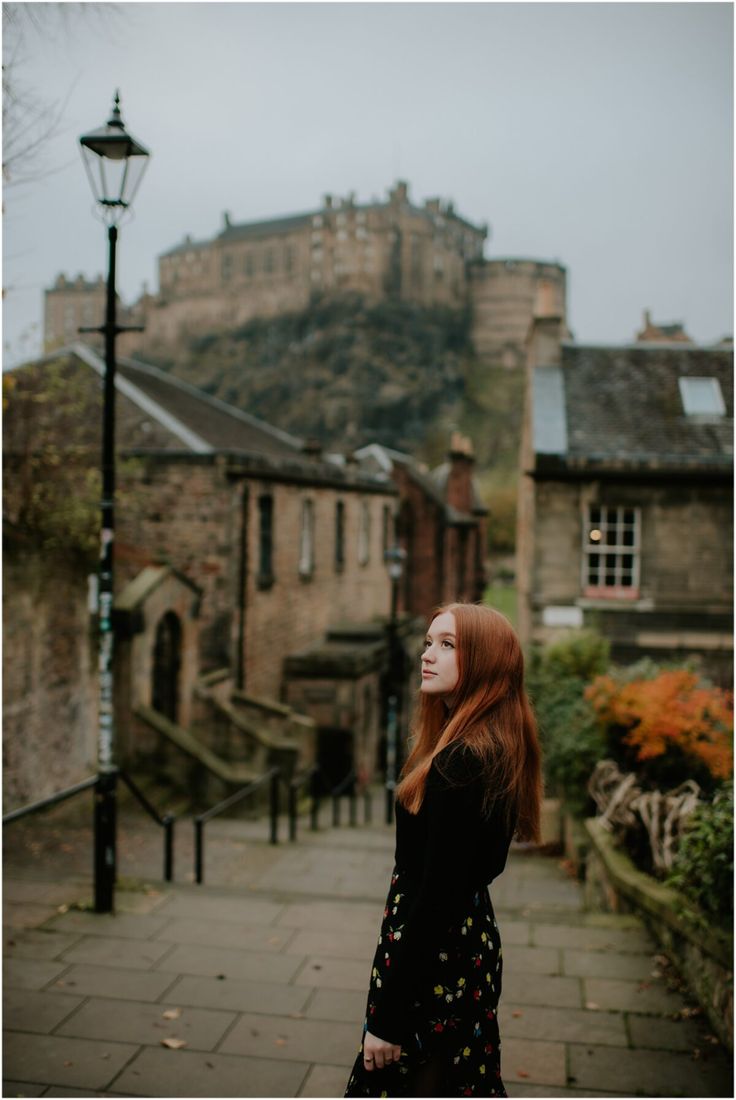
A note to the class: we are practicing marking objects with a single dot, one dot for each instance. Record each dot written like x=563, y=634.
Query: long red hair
x=491, y=716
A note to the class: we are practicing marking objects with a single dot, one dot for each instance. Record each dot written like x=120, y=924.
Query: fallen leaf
x=592, y=1005
x=209, y=1065
x=521, y=1073
x=317, y=966
x=220, y=977
x=171, y=1014
x=173, y=1044
x=300, y=1016
x=279, y=1042
x=517, y=1014
x=62, y=909
x=273, y=939
x=105, y=1057
x=67, y=1064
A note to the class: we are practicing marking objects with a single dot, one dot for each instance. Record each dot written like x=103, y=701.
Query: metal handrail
x=201, y=819
x=166, y=821
x=52, y=800
x=314, y=774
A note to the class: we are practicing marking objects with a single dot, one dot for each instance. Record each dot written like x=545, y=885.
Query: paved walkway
x=255, y=984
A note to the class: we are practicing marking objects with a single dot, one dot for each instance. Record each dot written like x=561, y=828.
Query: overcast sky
x=597, y=135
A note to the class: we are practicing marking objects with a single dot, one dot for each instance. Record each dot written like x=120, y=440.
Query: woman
x=471, y=781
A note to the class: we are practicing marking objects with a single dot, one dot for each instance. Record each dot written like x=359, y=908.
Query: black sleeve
x=451, y=873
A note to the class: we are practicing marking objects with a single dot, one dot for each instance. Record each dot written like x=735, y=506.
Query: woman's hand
x=377, y=1053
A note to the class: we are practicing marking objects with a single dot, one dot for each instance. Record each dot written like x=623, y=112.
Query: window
x=387, y=539
x=611, y=551
x=702, y=397
x=289, y=258
x=265, y=541
x=268, y=261
x=364, y=534
x=250, y=265
x=306, y=541
x=226, y=267
x=339, y=536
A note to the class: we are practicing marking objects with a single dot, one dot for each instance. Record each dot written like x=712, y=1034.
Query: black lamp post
x=394, y=557
x=115, y=163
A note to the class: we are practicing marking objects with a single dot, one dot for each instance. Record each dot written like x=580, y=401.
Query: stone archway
x=166, y=666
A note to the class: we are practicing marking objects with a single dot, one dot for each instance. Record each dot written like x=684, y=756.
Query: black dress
x=436, y=975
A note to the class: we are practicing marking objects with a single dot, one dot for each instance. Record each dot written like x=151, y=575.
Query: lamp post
x=394, y=557
x=115, y=163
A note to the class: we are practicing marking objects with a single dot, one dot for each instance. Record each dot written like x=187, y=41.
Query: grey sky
x=599, y=135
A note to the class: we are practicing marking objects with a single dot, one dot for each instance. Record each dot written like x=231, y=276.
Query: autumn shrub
x=703, y=866
x=668, y=727
x=572, y=739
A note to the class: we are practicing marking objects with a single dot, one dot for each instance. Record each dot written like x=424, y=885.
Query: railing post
x=367, y=807
x=275, y=780
x=105, y=817
x=314, y=810
x=389, y=805
x=292, y=811
x=169, y=847
x=353, y=806
x=198, y=850
x=335, y=810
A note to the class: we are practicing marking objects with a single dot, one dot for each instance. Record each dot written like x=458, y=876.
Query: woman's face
x=439, y=660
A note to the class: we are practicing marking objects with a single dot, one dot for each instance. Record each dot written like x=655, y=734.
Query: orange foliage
x=673, y=709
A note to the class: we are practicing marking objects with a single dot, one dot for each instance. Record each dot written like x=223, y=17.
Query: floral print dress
x=436, y=975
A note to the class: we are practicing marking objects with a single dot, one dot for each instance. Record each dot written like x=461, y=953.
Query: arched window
x=166, y=665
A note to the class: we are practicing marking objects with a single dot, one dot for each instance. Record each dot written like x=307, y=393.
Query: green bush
x=703, y=867
x=572, y=740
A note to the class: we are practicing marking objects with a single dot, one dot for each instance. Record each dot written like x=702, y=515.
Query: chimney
x=312, y=448
x=327, y=201
x=459, y=491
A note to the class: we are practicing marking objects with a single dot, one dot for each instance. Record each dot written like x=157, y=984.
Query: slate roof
x=204, y=424
x=620, y=407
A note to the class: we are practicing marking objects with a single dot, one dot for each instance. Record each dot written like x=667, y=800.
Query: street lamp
x=115, y=163
x=394, y=557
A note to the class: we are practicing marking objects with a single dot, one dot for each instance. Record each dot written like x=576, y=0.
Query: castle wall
x=505, y=296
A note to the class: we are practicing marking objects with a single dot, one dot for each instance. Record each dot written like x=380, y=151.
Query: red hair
x=491, y=716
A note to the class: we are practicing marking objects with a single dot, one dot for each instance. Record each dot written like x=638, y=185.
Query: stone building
x=427, y=254
x=625, y=504
x=69, y=305
x=441, y=525
x=252, y=593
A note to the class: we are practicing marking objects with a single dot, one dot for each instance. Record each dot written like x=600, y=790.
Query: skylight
x=702, y=397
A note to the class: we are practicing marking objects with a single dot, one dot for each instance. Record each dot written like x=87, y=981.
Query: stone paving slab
x=19, y=1088
x=62, y=1061
x=27, y=915
x=334, y=916
x=531, y=960
x=245, y=937
x=622, y=940
x=240, y=996
x=636, y=1072
x=36, y=943
x=516, y=933
x=222, y=907
x=603, y=964
x=541, y=989
x=29, y=1010
x=517, y=1089
x=535, y=1060
x=107, y=981
x=325, y=1081
x=213, y=961
x=186, y=1073
x=294, y=1040
x=654, y=1033
x=134, y=954
x=31, y=973
x=144, y=1023
x=338, y=1004
x=564, y=1025
x=339, y=945
x=628, y=996
x=136, y=926
x=334, y=973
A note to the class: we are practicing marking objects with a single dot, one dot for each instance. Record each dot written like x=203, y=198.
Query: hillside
x=349, y=373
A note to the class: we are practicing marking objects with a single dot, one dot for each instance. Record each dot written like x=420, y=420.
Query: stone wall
x=703, y=955
x=49, y=682
x=505, y=296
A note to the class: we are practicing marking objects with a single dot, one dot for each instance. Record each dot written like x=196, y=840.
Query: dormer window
x=702, y=397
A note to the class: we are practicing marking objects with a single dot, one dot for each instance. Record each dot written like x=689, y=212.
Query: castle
x=425, y=254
